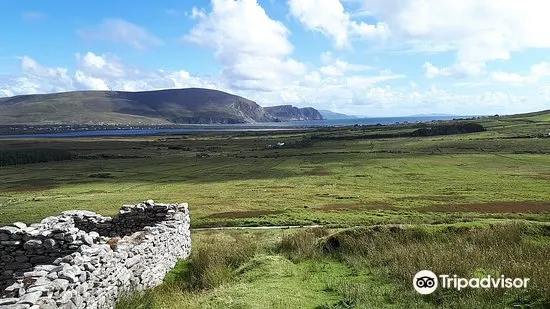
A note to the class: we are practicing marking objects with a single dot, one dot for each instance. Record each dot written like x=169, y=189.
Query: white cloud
x=121, y=31
x=477, y=30
x=253, y=49
x=460, y=70
x=330, y=18
x=536, y=74
x=97, y=72
x=357, y=94
x=339, y=67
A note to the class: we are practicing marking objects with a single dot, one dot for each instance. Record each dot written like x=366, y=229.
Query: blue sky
x=364, y=57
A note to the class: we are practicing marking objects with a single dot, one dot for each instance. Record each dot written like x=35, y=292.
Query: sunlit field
x=483, y=191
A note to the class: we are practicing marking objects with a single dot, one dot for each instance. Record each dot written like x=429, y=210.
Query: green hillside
x=192, y=105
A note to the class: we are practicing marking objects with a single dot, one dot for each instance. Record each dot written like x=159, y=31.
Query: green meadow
x=452, y=197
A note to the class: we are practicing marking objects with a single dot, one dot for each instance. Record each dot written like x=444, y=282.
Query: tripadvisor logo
x=426, y=282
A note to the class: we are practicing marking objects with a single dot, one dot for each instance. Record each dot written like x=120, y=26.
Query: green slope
x=192, y=105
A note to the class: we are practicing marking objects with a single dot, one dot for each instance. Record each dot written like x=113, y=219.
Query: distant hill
x=291, y=113
x=330, y=115
x=172, y=106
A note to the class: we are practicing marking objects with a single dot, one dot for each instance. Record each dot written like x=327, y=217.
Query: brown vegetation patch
x=278, y=187
x=439, y=198
x=319, y=171
x=495, y=207
x=245, y=214
x=356, y=206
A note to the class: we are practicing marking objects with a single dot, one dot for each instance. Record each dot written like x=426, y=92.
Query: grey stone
x=41, y=289
x=40, y=259
x=7, y=258
x=14, y=287
x=32, y=244
x=65, y=297
x=30, y=298
x=41, y=281
x=21, y=258
x=10, y=230
x=58, y=236
x=18, y=306
x=69, y=305
x=36, y=273
x=70, y=237
x=52, y=276
x=20, y=225
x=47, y=303
x=60, y=284
x=88, y=240
x=90, y=251
x=68, y=274
x=48, y=243
x=48, y=268
x=12, y=243
x=4, y=236
x=8, y=301
x=18, y=266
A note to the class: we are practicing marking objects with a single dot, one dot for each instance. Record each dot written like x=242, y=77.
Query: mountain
x=291, y=113
x=171, y=106
x=330, y=115
x=433, y=115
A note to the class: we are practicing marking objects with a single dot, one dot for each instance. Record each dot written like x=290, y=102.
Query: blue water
x=257, y=127
x=369, y=121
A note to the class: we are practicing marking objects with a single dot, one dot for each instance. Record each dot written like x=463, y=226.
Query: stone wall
x=80, y=259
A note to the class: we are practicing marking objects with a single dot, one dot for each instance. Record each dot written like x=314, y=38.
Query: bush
x=216, y=261
x=302, y=244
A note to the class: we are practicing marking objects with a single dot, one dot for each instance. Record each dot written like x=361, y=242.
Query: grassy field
x=339, y=178
x=357, y=268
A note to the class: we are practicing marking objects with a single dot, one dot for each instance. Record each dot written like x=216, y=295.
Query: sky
x=360, y=57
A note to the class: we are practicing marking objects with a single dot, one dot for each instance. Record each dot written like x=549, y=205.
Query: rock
x=65, y=297
x=41, y=289
x=90, y=251
x=149, y=202
x=60, y=284
x=68, y=274
x=30, y=298
x=47, y=303
x=21, y=258
x=14, y=287
x=36, y=273
x=18, y=306
x=41, y=281
x=89, y=267
x=12, y=243
x=7, y=258
x=32, y=244
x=48, y=268
x=10, y=230
x=70, y=238
x=20, y=225
x=88, y=240
x=48, y=243
x=8, y=301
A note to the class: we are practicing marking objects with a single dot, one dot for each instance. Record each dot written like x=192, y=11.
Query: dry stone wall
x=80, y=259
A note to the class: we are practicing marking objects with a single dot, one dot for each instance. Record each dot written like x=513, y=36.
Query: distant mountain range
x=172, y=106
x=330, y=115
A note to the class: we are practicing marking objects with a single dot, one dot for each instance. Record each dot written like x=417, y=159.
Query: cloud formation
x=121, y=31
